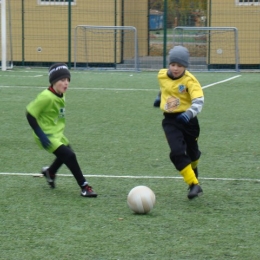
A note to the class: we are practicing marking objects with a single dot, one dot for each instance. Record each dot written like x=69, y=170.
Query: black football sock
x=196, y=172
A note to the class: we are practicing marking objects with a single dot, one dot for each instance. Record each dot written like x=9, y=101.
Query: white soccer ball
x=141, y=199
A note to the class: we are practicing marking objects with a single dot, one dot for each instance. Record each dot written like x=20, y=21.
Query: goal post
x=106, y=47
x=211, y=48
x=6, y=36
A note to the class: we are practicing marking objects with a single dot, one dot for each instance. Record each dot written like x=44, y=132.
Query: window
x=56, y=2
x=248, y=2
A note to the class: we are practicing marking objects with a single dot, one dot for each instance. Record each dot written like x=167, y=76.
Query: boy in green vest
x=46, y=116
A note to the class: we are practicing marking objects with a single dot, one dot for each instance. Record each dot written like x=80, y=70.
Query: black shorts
x=182, y=140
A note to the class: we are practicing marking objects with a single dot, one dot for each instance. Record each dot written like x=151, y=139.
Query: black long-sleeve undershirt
x=32, y=121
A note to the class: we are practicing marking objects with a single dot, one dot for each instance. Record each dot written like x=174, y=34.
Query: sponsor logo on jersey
x=172, y=103
x=182, y=89
x=62, y=112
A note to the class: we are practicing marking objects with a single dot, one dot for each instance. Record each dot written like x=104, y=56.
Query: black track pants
x=182, y=140
x=65, y=155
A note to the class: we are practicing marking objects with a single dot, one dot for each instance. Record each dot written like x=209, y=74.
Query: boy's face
x=61, y=86
x=176, y=69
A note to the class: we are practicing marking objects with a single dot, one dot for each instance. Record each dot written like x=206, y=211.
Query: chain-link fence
x=40, y=32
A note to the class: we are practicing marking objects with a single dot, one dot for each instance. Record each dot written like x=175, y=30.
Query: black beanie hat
x=57, y=72
x=179, y=54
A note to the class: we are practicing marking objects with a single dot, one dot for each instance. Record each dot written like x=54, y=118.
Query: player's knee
x=68, y=155
x=180, y=161
x=71, y=155
x=173, y=156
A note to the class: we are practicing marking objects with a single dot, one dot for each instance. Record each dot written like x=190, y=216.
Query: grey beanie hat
x=57, y=72
x=179, y=54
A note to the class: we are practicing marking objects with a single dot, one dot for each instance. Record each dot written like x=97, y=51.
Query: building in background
x=44, y=31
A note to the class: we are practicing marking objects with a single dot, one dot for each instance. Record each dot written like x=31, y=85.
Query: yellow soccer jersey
x=176, y=95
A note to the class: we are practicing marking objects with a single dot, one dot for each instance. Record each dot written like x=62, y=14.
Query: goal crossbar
x=233, y=29
x=104, y=28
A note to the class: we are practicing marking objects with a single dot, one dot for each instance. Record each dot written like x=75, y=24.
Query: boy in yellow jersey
x=46, y=116
x=181, y=100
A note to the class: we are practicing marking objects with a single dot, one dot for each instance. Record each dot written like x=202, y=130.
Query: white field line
x=130, y=177
x=75, y=88
x=34, y=76
x=123, y=89
x=222, y=81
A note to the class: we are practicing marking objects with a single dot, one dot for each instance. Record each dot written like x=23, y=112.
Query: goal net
x=106, y=47
x=211, y=48
x=6, y=35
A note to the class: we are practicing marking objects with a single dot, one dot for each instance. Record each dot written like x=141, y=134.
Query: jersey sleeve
x=194, y=89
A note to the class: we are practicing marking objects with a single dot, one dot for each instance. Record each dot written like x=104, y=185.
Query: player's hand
x=184, y=117
x=157, y=102
x=46, y=143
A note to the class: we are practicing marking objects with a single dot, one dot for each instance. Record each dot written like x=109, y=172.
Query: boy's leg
x=176, y=142
x=191, y=136
x=190, y=178
x=191, y=139
x=67, y=156
x=194, y=156
x=50, y=171
x=194, y=166
x=49, y=176
x=196, y=171
x=180, y=158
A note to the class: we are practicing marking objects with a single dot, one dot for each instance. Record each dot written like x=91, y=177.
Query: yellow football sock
x=189, y=175
x=194, y=164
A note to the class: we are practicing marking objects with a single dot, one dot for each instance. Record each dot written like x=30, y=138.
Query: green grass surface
x=116, y=132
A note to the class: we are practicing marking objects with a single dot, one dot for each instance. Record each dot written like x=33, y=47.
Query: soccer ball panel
x=141, y=199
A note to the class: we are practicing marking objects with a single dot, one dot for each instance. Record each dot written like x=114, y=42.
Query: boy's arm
x=32, y=121
x=196, y=107
x=38, y=131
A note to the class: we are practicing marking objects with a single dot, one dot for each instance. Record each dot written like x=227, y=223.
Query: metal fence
x=40, y=32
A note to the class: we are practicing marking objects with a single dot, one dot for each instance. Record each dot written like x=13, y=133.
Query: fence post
x=69, y=34
x=164, y=33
